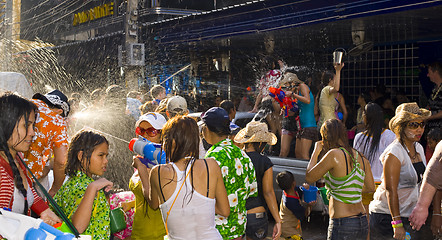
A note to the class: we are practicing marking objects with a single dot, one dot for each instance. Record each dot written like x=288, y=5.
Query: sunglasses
x=415, y=125
x=151, y=132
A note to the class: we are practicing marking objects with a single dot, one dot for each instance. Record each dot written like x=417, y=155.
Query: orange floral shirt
x=50, y=133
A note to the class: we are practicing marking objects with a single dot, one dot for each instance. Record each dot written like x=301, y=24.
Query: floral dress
x=240, y=181
x=69, y=197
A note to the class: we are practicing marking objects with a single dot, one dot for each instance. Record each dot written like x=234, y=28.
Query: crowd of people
x=216, y=181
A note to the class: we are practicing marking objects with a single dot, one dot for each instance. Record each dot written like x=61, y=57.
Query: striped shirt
x=347, y=189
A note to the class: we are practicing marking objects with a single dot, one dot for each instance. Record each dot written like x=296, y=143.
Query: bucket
x=323, y=192
x=117, y=220
x=310, y=194
x=337, y=55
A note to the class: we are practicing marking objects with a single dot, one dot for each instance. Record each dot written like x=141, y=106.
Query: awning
x=264, y=16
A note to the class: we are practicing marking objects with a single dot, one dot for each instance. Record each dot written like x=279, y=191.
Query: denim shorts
x=348, y=228
x=257, y=226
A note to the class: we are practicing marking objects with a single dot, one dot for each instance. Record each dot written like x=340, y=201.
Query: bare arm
x=82, y=215
x=420, y=211
x=315, y=169
x=257, y=102
x=60, y=158
x=154, y=197
x=337, y=78
x=222, y=206
x=343, y=107
x=144, y=174
x=316, y=109
x=305, y=98
x=435, y=116
x=392, y=169
x=369, y=186
x=269, y=196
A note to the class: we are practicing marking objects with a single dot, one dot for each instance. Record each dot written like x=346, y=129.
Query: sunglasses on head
x=151, y=132
x=415, y=125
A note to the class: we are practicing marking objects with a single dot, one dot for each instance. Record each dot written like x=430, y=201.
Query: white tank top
x=193, y=215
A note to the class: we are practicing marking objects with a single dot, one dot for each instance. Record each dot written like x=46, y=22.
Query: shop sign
x=97, y=12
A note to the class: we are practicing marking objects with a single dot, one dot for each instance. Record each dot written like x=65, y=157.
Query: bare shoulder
x=211, y=163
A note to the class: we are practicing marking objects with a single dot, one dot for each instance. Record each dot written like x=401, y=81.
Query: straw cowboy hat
x=407, y=112
x=290, y=77
x=256, y=132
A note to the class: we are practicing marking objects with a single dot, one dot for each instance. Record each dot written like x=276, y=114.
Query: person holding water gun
x=148, y=223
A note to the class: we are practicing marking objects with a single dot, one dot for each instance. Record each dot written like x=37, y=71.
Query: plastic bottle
x=407, y=236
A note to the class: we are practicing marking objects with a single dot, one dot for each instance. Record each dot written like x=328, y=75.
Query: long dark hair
x=180, y=137
x=374, y=124
x=85, y=141
x=13, y=108
x=334, y=135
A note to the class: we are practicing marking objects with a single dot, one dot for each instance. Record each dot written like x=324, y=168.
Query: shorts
x=348, y=228
x=287, y=132
x=310, y=133
x=290, y=123
x=257, y=226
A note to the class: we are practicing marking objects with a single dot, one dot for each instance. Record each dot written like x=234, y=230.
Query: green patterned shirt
x=240, y=181
x=69, y=197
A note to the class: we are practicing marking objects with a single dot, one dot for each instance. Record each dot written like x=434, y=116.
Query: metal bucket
x=337, y=55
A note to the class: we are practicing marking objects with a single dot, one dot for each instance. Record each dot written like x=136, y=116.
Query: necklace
x=414, y=157
x=433, y=96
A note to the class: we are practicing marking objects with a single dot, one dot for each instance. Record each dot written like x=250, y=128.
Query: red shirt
x=7, y=188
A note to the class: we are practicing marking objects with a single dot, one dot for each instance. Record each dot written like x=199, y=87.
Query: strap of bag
x=170, y=209
x=52, y=202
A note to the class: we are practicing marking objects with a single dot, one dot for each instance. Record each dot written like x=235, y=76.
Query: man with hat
x=237, y=170
x=50, y=137
x=176, y=105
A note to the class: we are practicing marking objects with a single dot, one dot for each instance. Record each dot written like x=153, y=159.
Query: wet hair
x=85, y=141
x=13, y=108
x=436, y=67
x=258, y=146
x=374, y=123
x=334, y=135
x=227, y=105
x=180, y=138
x=76, y=95
x=148, y=106
x=156, y=90
x=366, y=97
x=435, y=134
x=285, y=180
x=326, y=76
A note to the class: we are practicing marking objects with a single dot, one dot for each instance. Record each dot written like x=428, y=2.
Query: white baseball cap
x=177, y=104
x=155, y=119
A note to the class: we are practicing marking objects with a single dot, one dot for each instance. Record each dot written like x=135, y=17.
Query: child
x=148, y=223
x=433, y=137
x=80, y=197
x=291, y=209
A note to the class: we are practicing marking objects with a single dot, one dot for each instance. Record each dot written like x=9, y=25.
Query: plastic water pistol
x=285, y=102
x=151, y=152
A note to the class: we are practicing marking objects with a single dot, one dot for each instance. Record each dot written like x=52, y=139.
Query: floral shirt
x=270, y=79
x=69, y=197
x=50, y=133
x=240, y=181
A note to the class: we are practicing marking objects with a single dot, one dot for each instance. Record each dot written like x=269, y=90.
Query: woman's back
x=345, y=183
x=192, y=214
x=327, y=105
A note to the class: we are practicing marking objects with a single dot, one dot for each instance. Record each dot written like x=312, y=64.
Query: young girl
x=17, y=121
x=80, y=197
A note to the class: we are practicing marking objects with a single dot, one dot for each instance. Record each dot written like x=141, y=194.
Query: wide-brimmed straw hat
x=290, y=77
x=256, y=132
x=407, y=112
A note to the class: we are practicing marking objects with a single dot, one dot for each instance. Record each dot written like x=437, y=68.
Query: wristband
x=396, y=217
x=437, y=214
x=397, y=225
x=396, y=222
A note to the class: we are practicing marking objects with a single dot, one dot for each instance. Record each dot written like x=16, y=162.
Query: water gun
x=15, y=226
x=151, y=152
x=285, y=102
